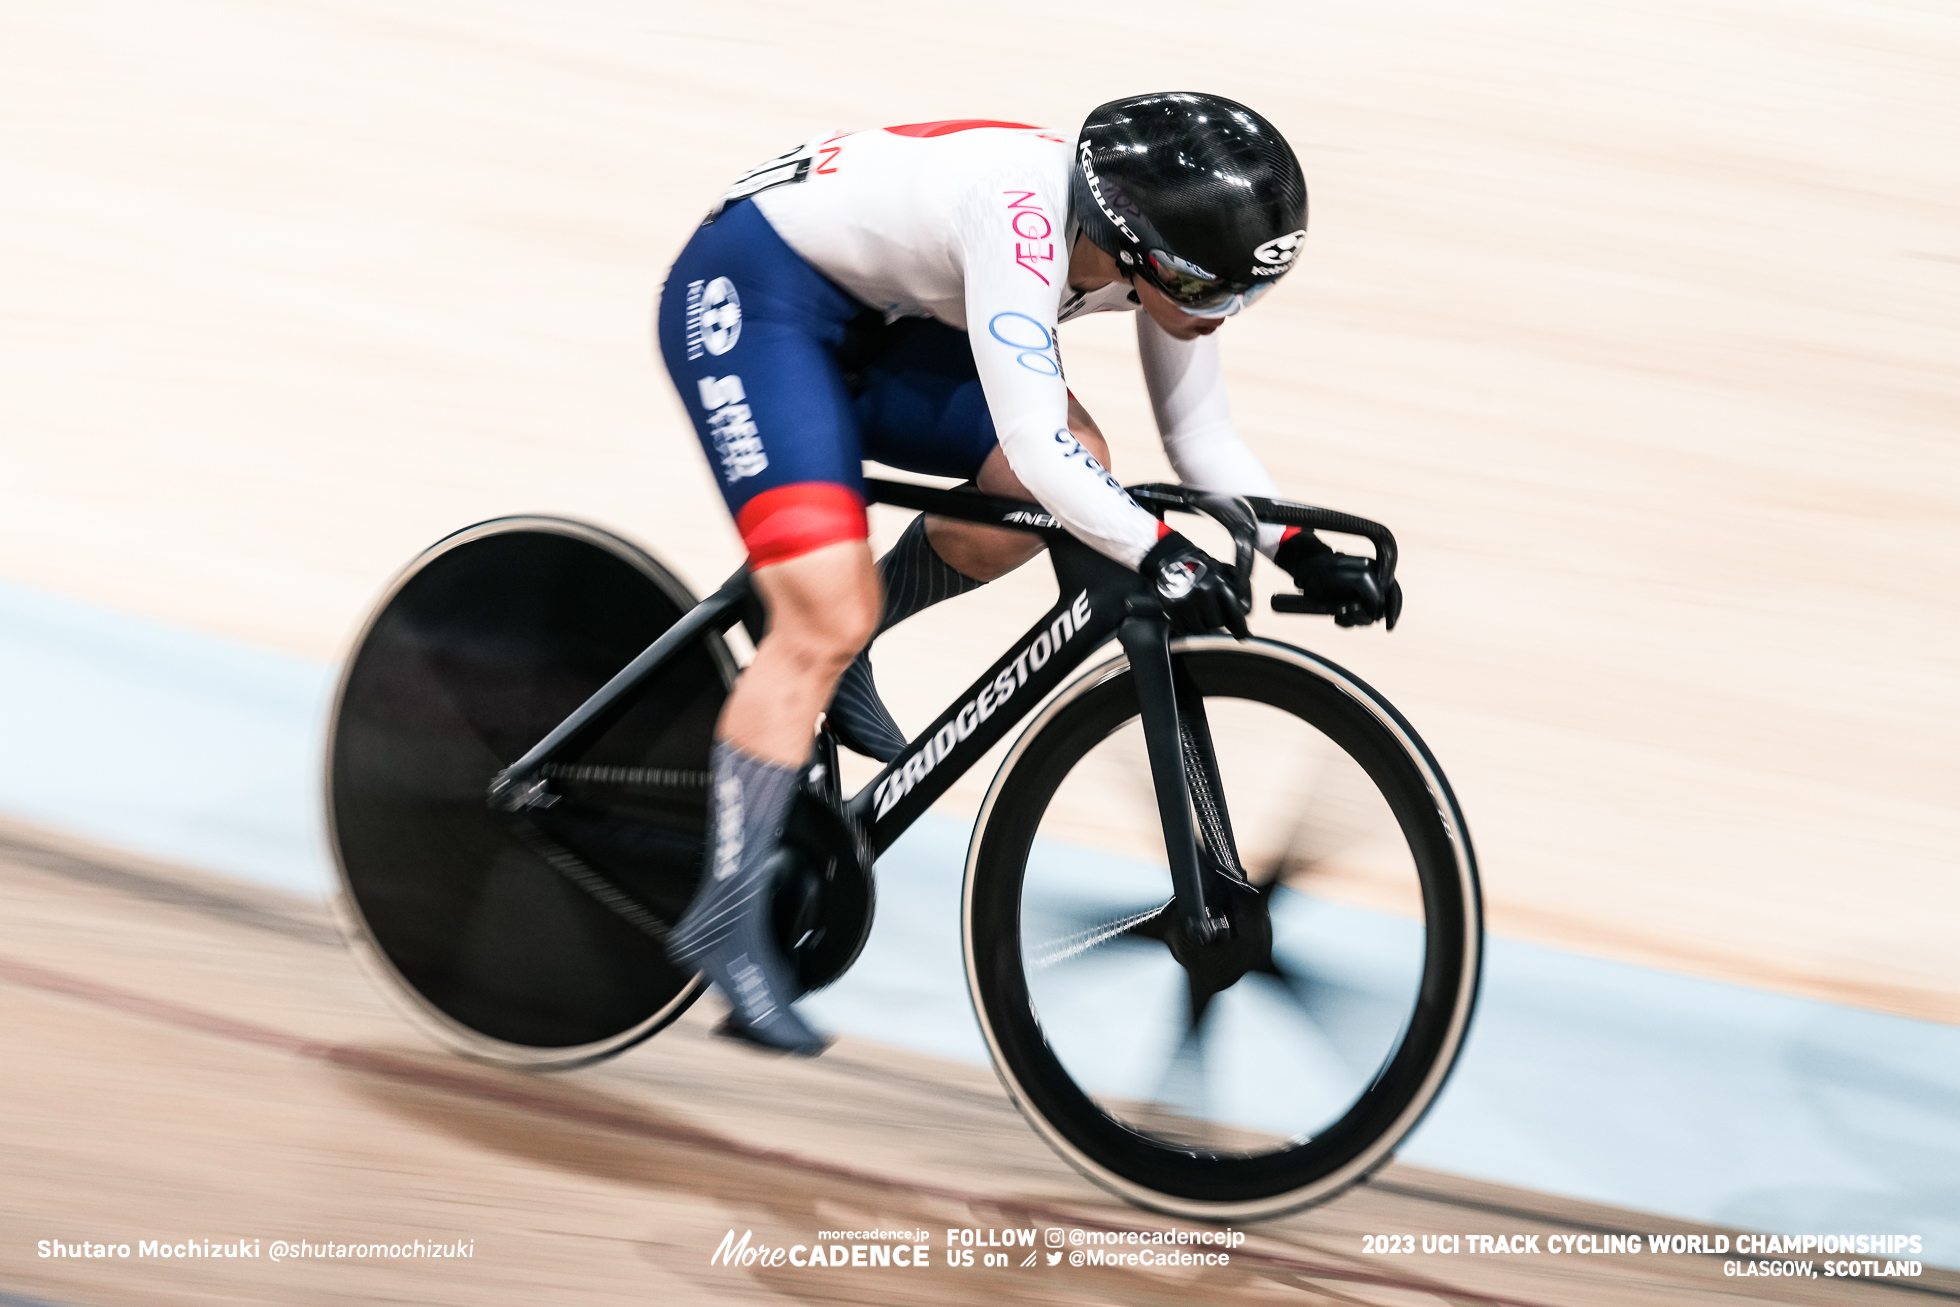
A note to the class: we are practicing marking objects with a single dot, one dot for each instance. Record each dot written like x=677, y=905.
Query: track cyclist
x=895, y=294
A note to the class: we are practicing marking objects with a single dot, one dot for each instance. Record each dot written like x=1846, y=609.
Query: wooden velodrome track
x=1636, y=319
x=191, y=1059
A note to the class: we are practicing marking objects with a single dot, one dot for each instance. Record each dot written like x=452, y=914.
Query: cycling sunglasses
x=1196, y=291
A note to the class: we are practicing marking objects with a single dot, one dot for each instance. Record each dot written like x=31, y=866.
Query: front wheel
x=1258, y=1078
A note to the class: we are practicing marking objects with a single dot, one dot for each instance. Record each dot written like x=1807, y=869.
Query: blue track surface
x=14, y=1300
x=1587, y=1078
x=181, y=746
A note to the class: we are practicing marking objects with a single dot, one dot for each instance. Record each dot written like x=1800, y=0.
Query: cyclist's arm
x=1011, y=298
x=1187, y=393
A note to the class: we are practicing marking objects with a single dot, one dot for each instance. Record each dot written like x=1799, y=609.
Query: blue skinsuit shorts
x=752, y=334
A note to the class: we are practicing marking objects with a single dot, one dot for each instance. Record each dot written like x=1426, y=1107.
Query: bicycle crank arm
x=1146, y=639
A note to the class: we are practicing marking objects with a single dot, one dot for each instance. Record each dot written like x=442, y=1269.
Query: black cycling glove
x=1198, y=592
x=1345, y=584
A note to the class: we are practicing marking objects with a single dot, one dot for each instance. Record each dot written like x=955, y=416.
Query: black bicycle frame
x=1098, y=599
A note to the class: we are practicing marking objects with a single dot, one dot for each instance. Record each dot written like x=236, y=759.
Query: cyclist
x=895, y=294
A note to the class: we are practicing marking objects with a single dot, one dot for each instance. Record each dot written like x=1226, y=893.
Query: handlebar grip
x=1237, y=517
x=1158, y=497
x=1285, y=603
x=1310, y=518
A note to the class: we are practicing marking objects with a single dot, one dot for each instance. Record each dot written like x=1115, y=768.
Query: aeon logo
x=1032, y=230
x=1281, y=249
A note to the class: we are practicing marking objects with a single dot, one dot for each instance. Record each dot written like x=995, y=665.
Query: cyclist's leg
x=746, y=329
x=921, y=408
x=913, y=577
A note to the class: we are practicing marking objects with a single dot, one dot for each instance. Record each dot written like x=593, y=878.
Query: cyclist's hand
x=1199, y=593
x=1346, y=584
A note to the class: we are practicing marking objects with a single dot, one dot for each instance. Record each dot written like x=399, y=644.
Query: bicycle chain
x=574, y=869
x=650, y=778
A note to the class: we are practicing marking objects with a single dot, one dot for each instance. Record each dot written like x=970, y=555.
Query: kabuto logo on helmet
x=1280, y=249
x=1096, y=190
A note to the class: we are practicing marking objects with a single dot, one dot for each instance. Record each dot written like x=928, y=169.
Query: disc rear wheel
x=496, y=928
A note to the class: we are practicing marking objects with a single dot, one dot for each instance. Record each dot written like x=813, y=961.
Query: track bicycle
x=1221, y=918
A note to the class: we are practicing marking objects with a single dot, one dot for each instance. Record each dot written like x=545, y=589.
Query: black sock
x=915, y=578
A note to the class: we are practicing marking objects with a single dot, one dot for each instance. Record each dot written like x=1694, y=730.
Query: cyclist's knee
x=823, y=606
x=834, y=621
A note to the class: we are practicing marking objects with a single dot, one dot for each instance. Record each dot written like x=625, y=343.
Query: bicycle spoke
x=1182, y=1084
x=1315, y=1001
x=1250, y=1033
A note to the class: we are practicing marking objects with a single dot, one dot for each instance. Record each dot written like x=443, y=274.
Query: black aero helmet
x=1197, y=194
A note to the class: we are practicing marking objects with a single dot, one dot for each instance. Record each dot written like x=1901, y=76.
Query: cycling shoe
x=745, y=965
x=729, y=1028
x=727, y=932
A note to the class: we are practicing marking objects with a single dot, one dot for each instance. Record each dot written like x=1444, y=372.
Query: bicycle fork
x=1184, y=772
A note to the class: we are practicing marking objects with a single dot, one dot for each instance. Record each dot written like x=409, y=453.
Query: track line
x=15, y=1300
x=213, y=903
x=463, y=1084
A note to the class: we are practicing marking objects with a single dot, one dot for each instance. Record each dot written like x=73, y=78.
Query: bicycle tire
x=1061, y=1047
x=477, y=649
